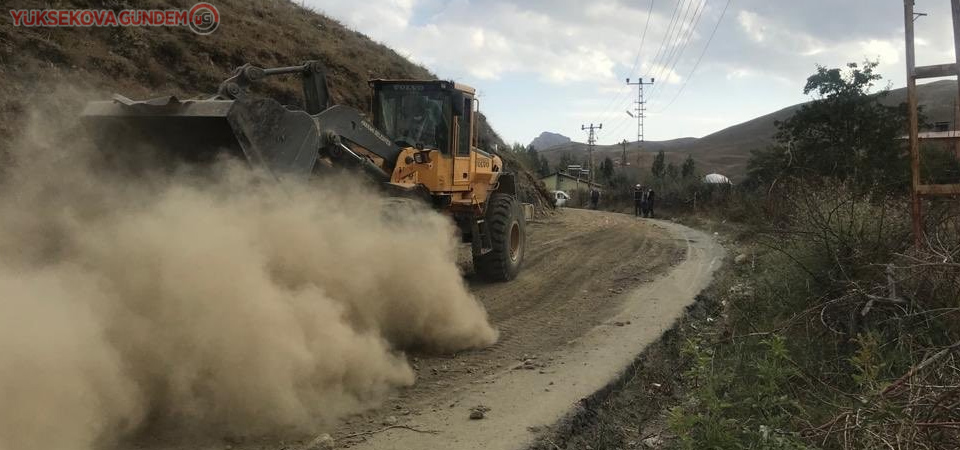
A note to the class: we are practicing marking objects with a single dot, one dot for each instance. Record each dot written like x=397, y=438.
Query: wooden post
x=918, y=190
x=956, y=124
x=955, y=10
x=913, y=123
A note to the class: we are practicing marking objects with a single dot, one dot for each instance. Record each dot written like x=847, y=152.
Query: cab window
x=463, y=146
x=414, y=117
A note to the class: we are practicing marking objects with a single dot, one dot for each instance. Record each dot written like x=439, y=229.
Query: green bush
x=840, y=335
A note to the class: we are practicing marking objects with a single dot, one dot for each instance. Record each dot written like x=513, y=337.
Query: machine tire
x=507, y=229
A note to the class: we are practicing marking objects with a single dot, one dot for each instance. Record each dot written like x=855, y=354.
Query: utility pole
x=640, y=112
x=591, y=141
x=640, y=106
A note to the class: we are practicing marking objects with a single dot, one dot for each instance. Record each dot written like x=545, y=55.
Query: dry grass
x=150, y=62
x=144, y=62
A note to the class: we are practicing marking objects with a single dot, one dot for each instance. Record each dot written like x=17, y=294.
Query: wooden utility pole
x=913, y=118
x=917, y=189
x=591, y=141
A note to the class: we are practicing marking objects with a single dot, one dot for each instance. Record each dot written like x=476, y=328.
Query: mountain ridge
x=727, y=151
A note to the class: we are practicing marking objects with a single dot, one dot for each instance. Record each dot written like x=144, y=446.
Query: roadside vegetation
x=678, y=183
x=828, y=329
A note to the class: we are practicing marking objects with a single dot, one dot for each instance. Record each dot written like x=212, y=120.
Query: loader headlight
x=421, y=157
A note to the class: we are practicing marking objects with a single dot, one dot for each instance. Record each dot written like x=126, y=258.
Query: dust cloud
x=227, y=305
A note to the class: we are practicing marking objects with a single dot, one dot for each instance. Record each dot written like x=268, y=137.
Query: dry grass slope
x=147, y=62
x=151, y=61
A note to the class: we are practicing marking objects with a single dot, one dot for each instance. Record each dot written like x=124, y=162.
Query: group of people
x=643, y=199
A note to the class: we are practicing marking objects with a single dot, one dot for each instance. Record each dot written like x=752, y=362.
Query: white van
x=560, y=198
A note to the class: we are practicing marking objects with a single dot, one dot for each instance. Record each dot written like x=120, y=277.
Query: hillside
x=62, y=68
x=159, y=60
x=547, y=140
x=727, y=151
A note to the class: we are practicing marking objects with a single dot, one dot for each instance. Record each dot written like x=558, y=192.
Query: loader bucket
x=166, y=132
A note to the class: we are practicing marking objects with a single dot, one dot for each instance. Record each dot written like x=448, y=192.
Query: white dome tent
x=716, y=179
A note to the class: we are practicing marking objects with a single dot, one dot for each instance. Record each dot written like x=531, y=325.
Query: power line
x=624, y=119
x=680, y=30
x=677, y=54
x=643, y=36
x=621, y=106
x=668, y=36
x=623, y=99
x=699, y=59
x=657, y=60
x=620, y=96
x=620, y=125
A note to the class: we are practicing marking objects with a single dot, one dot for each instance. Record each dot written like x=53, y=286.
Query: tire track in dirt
x=578, y=268
x=522, y=402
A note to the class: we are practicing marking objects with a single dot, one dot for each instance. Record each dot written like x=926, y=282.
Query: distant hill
x=547, y=140
x=727, y=151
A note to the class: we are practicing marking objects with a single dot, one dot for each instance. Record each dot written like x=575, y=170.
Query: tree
x=659, y=166
x=533, y=158
x=766, y=165
x=688, y=168
x=565, y=161
x=606, y=169
x=673, y=171
x=845, y=133
x=544, y=167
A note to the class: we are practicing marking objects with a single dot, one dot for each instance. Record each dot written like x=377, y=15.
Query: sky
x=556, y=65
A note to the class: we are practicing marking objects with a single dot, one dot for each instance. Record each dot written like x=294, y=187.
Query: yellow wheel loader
x=421, y=142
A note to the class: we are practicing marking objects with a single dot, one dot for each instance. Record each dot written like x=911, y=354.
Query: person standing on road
x=648, y=202
x=638, y=201
x=594, y=198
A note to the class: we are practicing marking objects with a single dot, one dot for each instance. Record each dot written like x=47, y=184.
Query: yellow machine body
x=449, y=165
x=422, y=141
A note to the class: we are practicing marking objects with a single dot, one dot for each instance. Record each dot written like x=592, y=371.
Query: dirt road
x=578, y=265
x=595, y=289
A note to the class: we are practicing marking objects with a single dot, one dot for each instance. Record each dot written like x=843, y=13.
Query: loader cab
x=432, y=114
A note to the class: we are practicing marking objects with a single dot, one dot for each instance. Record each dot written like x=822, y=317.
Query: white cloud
x=384, y=16
x=561, y=51
x=549, y=39
x=750, y=23
x=738, y=73
x=665, y=74
x=741, y=72
x=771, y=33
x=886, y=50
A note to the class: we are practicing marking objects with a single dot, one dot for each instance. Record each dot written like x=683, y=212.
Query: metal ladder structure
x=919, y=190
